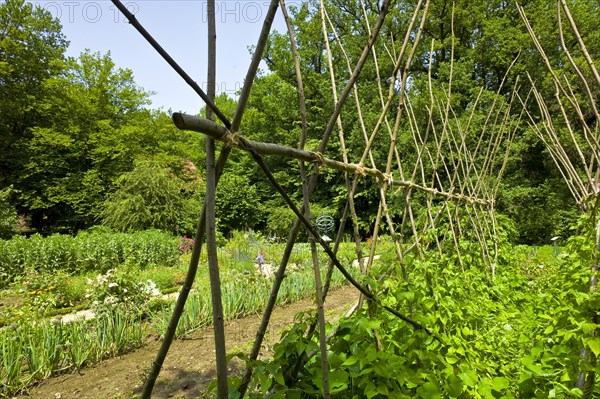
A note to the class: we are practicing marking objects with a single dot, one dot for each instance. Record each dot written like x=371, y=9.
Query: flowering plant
x=44, y=292
x=116, y=288
x=186, y=244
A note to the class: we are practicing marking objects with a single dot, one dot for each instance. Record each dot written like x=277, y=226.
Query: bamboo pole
x=211, y=242
x=319, y=298
x=300, y=215
x=184, y=75
x=567, y=166
x=577, y=70
x=349, y=186
x=201, y=226
x=256, y=58
x=580, y=42
x=311, y=186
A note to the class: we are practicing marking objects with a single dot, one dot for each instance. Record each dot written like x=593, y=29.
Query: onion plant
x=239, y=299
x=37, y=350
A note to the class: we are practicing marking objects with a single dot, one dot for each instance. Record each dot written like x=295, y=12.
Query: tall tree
x=86, y=112
x=32, y=50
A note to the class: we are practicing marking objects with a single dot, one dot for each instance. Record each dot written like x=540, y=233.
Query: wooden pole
x=211, y=242
x=221, y=133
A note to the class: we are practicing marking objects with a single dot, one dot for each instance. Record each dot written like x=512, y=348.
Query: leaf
x=594, y=344
x=350, y=361
x=469, y=377
x=454, y=386
x=536, y=369
x=338, y=381
x=500, y=383
x=451, y=359
x=429, y=391
x=370, y=390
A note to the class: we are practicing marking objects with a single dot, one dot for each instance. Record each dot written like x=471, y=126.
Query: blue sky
x=180, y=27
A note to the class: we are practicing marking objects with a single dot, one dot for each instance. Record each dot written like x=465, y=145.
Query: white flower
x=110, y=300
x=150, y=288
x=112, y=285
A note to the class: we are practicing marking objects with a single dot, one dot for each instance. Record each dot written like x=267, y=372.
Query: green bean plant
x=518, y=335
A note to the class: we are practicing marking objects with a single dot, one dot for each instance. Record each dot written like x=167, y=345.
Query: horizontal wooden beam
x=221, y=133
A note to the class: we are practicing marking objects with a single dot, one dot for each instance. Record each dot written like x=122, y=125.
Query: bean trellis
x=454, y=177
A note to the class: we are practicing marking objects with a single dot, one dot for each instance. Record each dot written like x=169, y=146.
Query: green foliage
x=238, y=204
x=71, y=126
x=8, y=215
x=46, y=292
x=540, y=212
x=148, y=197
x=120, y=288
x=167, y=279
x=34, y=351
x=32, y=50
x=280, y=220
x=65, y=175
x=93, y=251
x=519, y=335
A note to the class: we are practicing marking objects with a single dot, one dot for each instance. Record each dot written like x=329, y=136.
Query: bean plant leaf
x=454, y=385
x=594, y=344
x=500, y=383
x=429, y=391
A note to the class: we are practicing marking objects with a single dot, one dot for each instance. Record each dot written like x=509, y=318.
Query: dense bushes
x=88, y=251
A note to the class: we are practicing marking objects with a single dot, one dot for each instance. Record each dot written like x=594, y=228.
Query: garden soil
x=190, y=365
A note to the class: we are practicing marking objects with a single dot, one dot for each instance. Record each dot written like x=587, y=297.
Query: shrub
x=281, y=219
x=44, y=292
x=120, y=288
x=148, y=197
x=238, y=203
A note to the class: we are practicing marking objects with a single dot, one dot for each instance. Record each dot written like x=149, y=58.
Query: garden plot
x=188, y=368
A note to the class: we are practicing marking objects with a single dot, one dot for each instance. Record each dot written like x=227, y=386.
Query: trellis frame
x=581, y=172
x=478, y=198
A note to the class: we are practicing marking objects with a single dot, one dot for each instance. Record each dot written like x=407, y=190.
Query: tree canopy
x=75, y=131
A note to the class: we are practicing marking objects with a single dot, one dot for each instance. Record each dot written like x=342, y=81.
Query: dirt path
x=189, y=366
